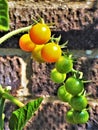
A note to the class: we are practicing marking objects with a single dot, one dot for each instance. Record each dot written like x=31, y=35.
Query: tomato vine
x=45, y=48
x=72, y=89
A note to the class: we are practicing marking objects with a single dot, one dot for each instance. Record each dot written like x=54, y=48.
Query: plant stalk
x=14, y=32
x=6, y=95
x=12, y=99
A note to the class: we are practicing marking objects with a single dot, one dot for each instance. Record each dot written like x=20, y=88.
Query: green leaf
x=4, y=15
x=22, y=115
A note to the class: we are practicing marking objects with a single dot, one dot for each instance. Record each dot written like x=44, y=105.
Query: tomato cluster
x=43, y=49
x=71, y=90
x=38, y=42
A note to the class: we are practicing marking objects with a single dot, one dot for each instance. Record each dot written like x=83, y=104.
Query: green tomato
x=63, y=94
x=64, y=64
x=69, y=117
x=80, y=117
x=74, y=86
x=78, y=102
x=56, y=76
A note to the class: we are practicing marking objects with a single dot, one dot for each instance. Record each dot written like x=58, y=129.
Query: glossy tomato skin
x=63, y=95
x=81, y=117
x=64, y=64
x=74, y=86
x=78, y=102
x=51, y=52
x=70, y=117
x=26, y=44
x=56, y=76
x=40, y=33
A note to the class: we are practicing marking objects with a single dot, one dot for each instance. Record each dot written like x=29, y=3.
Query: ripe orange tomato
x=51, y=52
x=25, y=43
x=40, y=33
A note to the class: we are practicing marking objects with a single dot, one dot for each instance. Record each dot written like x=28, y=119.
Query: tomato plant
x=51, y=52
x=74, y=85
x=25, y=43
x=45, y=48
x=78, y=102
x=64, y=64
x=40, y=33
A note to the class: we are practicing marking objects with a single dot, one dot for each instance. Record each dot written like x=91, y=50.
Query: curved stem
x=64, y=45
x=12, y=99
x=6, y=95
x=12, y=33
x=78, y=72
x=42, y=20
x=57, y=40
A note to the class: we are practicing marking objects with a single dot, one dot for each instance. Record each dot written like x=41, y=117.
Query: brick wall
x=77, y=22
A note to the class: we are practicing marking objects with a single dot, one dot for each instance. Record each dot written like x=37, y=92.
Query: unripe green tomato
x=69, y=117
x=64, y=64
x=56, y=76
x=78, y=102
x=63, y=94
x=80, y=117
x=74, y=86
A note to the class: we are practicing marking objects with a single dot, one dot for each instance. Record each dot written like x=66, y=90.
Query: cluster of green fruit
x=71, y=90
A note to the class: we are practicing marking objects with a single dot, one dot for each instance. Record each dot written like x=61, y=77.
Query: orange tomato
x=51, y=52
x=25, y=43
x=40, y=33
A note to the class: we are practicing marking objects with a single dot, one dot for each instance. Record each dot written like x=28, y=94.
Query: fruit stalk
x=12, y=33
x=6, y=95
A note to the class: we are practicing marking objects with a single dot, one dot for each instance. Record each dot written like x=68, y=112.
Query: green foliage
x=4, y=15
x=23, y=114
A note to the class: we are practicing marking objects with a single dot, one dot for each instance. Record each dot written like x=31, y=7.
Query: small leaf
x=4, y=15
x=22, y=115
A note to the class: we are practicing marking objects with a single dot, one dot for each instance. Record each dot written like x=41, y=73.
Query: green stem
x=42, y=20
x=87, y=81
x=35, y=21
x=12, y=99
x=78, y=72
x=2, y=101
x=12, y=33
x=57, y=40
x=6, y=95
x=64, y=45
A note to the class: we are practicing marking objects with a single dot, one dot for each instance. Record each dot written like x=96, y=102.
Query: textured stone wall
x=65, y=15
x=77, y=22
